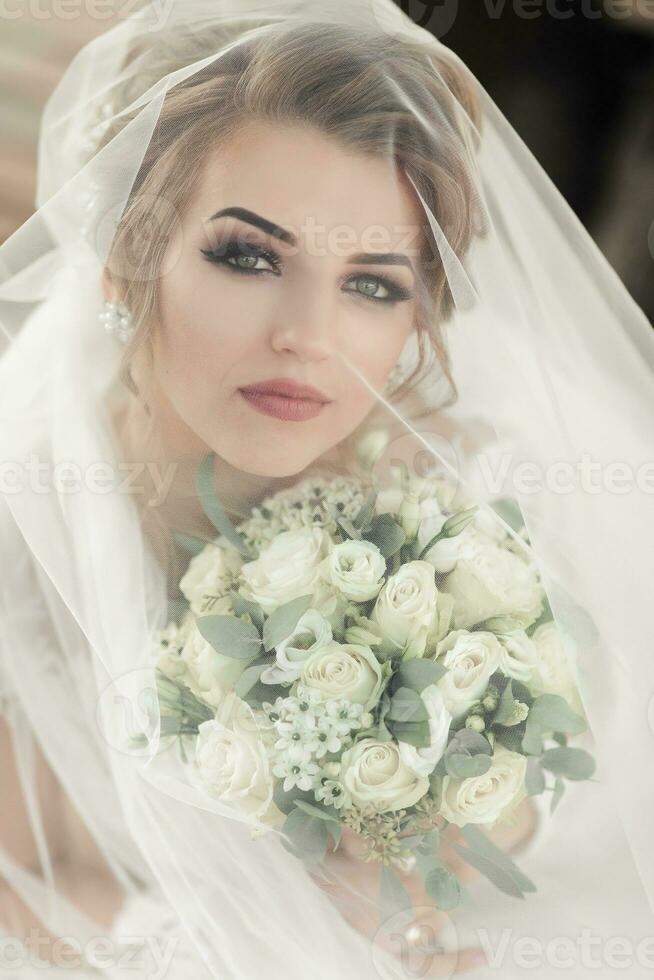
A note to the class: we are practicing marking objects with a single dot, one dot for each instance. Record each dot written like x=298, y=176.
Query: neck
x=168, y=467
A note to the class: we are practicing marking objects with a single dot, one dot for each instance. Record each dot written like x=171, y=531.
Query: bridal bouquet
x=384, y=660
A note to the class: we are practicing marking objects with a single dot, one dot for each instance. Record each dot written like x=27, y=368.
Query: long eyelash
x=232, y=249
x=398, y=294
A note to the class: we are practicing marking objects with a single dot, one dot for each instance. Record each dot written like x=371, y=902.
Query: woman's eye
x=243, y=258
x=378, y=288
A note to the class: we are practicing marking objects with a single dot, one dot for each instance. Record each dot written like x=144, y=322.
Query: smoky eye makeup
x=251, y=259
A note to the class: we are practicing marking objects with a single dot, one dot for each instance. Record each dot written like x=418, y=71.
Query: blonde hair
x=409, y=101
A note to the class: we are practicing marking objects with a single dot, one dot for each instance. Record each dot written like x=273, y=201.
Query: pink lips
x=285, y=399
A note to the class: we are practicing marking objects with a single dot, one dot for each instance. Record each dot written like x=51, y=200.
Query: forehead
x=300, y=178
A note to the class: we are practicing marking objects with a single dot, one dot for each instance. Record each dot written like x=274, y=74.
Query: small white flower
x=331, y=793
x=296, y=770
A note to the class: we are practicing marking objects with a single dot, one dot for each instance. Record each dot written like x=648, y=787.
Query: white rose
x=286, y=569
x=408, y=603
x=356, y=569
x=346, y=671
x=374, y=773
x=311, y=633
x=491, y=581
x=232, y=762
x=424, y=760
x=471, y=659
x=210, y=675
x=488, y=798
x=212, y=573
x=556, y=667
x=519, y=656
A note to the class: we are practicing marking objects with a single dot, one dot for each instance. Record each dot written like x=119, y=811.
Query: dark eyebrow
x=270, y=228
x=381, y=258
x=258, y=221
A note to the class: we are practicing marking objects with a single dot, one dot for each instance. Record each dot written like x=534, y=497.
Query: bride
x=280, y=236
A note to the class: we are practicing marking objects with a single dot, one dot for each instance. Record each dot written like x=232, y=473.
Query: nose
x=305, y=325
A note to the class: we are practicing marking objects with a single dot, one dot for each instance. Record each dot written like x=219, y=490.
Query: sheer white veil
x=553, y=365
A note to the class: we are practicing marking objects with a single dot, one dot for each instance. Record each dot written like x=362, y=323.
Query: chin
x=275, y=465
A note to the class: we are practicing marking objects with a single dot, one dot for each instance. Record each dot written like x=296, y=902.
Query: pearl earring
x=393, y=380
x=117, y=320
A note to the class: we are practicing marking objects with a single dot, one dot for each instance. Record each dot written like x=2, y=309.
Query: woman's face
x=243, y=304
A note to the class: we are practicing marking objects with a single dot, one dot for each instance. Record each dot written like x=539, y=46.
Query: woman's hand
x=356, y=894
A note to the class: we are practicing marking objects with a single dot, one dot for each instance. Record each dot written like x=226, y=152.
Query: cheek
x=204, y=332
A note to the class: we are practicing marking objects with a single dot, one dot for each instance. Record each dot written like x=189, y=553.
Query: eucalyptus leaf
x=243, y=606
x=559, y=786
x=214, y=510
x=462, y=766
x=280, y=624
x=416, y=733
x=469, y=742
x=418, y=674
x=479, y=842
x=192, y=546
x=322, y=813
x=386, y=533
x=366, y=511
x=571, y=763
x=554, y=714
x=307, y=836
x=248, y=679
x=498, y=875
x=348, y=529
x=230, y=636
x=505, y=708
x=407, y=707
x=287, y=801
x=443, y=887
x=535, y=778
x=393, y=896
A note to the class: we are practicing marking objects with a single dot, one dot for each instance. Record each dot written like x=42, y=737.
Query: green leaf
x=248, y=679
x=467, y=742
x=462, y=766
x=501, y=878
x=192, y=546
x=443, y=887
x=559, y=787
x=571, y=763
x=416, y=734
x=481, y=844
x=287, y=801
x=243, y=606
x=554, y=714
x=348, y=529
x=307, y=836
x=213, y=508
x=535, y=778
x=505, y=707
x=407, y=707
x=419, y=674
x=230, y=636
x=322, y=813
x=393, y=896
x=366, y=511
x=386, y=533
x=280, y=625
